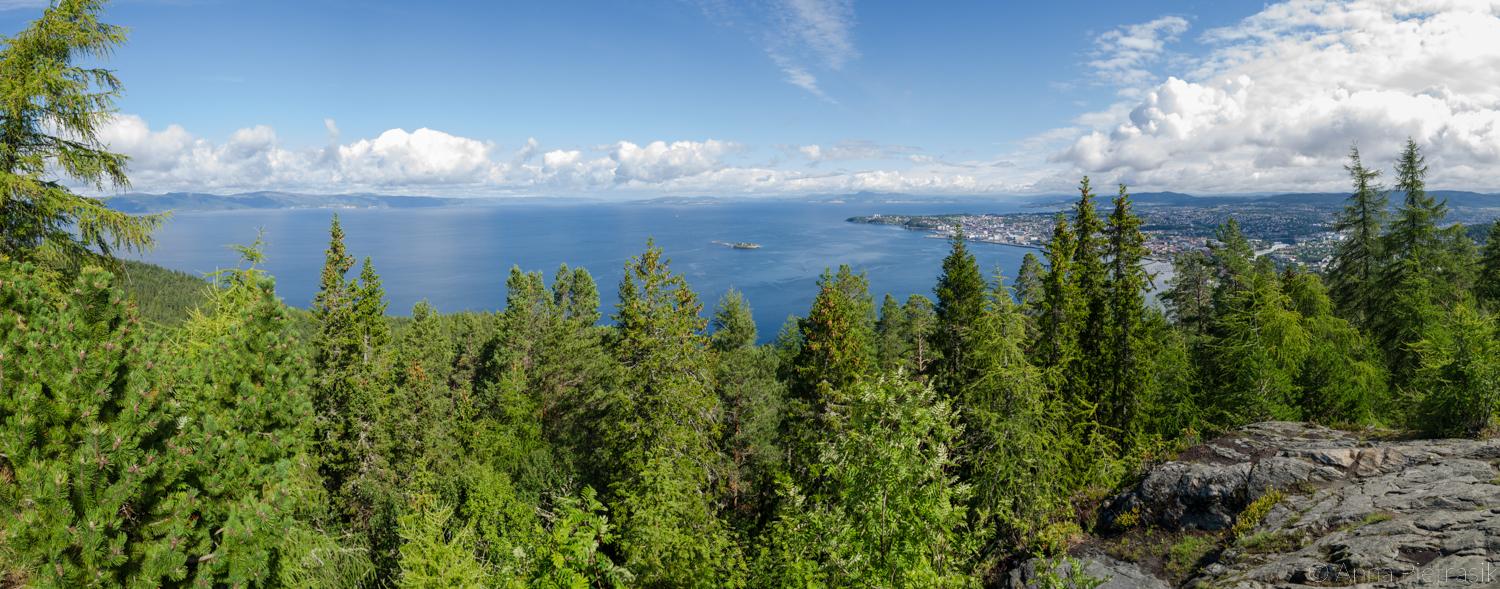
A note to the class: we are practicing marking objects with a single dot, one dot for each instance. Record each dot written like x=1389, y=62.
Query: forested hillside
x=935, y=441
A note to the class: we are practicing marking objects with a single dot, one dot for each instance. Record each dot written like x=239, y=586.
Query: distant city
x=1292, y=229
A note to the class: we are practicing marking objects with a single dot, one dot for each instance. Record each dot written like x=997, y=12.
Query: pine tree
x=1487, y=286
x=1125, y=375
x=960, y=294
x=93, y=457
x=51, y=111
x=244, y=381
x=1354, y=273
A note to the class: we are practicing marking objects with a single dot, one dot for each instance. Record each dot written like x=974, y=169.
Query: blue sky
x=787, y=96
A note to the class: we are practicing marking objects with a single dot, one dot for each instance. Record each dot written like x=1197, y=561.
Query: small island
x=740, y=245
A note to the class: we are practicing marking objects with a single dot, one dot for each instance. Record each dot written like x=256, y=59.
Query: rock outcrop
x=1342, y=511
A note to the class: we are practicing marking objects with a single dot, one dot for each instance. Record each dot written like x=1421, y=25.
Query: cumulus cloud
x=1280, y=96
x=428, y=161
x=396, y=160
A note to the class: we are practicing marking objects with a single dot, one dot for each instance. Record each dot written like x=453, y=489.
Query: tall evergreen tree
x=1487, y=286
x=1411, y=278
x=753, y=403
x=1013, y=447
x=1353, y=276
x=337, y=399
x=51, y=111
x=660, y=430
x=1125, y=373
x=838, y=339
x=1189, y=294
x=891, y=347
x=1029, y=285
x=889, y=514
x=1056, y=342
x=960, y=294
x=1090, y=277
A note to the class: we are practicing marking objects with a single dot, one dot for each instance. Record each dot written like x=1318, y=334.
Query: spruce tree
x=660, y=431
x=889, y=514
x=51, y=112
x=1411, y=279
x=753, y=404
x=837, y=339
x=921, y=322
x=1029, y=284
x=1125, y=373
x=891, y=348
x=1354, y=274
x=1090, y=277
x=1189, y=294
x=960, y=294
x=1056, y=343
x=1487, y=286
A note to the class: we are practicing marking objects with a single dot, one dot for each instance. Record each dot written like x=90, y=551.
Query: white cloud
x=801, y=37
x=1276, y=102
x=427, y=161
x=1122, y=55
x=860, y=150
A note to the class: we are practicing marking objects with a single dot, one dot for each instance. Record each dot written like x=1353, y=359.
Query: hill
x=137, y=203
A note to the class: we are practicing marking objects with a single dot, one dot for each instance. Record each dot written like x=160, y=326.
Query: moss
x=1185, y=555
x=1255, y=512
x=1272, y=542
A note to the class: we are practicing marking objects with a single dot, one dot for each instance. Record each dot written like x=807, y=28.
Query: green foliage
x=960, y=294
x=837, y=338
x=1255, y=512
x=1185, y=555
x=888, y=512
x=51, y=111
x=1488, y=285
x=1458, y=374
x=659, y=431
x=89, y=449
x=161, y=296
x=1057, y=330
x=436, y=551
x=1353, y=277
x=243, y=381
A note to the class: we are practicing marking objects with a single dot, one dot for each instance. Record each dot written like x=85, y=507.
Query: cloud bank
x=1279, y=98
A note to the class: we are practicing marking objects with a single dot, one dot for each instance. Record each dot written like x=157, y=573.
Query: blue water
x=457, y=257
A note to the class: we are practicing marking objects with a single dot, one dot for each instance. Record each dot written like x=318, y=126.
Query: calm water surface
x=457, y=257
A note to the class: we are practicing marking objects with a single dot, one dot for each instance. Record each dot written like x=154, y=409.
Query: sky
x=787, y=97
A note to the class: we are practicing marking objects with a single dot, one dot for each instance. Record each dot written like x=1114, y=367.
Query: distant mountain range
x=197, y=201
